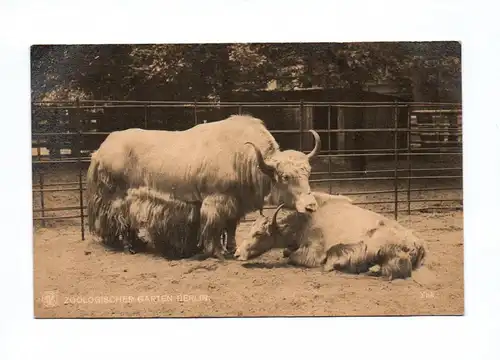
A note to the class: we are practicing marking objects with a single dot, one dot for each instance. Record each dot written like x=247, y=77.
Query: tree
x=213, y=71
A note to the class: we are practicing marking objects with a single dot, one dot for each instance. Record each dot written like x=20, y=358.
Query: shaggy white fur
x=338, y=236
x=208, y=163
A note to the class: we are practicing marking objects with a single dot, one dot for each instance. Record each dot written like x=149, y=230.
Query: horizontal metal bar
x=58, y=184
x=361, y=151
x=388, y=151
x=54, y=134
x=332, y=180
x=448, y=208
x=57, y=190
x=434, y=142
x=403, y=201
x=58, y=209
x=381, y=171
x=380, y=212
x=399, y=190
x=39, y=162
x=67, y=158
x=253, y=219
x=456, y=149
x=313, y=180
x=431, y=200
x=413, y=153
x=154, y=102
x=387, y=178
x=271, y=131
x=346, y=152
x=427, y=111
x=321, y=131
x=57, y=217
x=231, y=105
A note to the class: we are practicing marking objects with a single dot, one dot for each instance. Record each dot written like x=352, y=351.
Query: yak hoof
x=331, y=270
x=222, y=255
x=199, y=257
x=130, y=250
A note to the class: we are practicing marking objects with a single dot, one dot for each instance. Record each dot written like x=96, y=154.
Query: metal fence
x=429, y=131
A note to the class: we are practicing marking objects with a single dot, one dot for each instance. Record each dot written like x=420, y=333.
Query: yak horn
x=317, y=145
x=274, y=224
x=265, y=168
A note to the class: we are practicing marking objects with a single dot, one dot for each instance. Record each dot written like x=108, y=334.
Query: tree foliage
x=430, y=70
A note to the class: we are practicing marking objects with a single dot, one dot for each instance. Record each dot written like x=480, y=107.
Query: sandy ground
x=75, y=278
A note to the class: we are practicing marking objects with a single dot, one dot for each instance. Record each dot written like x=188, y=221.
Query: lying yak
x=228, y=166
x=170, y=225
x=338, y=236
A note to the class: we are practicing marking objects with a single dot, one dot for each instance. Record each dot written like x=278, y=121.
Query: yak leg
x=131, y=241
x=350, y=258
x=231, y=235
x=307, y=256
x=213, y=215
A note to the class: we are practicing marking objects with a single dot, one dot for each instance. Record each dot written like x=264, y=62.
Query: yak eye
x=284, y=177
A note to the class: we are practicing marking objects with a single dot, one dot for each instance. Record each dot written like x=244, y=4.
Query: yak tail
x=99, y=194
x=92, y=171
x=94, y=201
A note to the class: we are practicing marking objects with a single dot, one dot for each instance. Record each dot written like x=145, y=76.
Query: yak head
x=289, y=171
x=264, y=236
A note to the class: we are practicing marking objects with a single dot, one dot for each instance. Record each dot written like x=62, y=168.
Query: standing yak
x=228, y=166
x=338, y=236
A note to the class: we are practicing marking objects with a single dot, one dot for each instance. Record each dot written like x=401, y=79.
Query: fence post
x=329, y=149
x=80, y=174
x=145, y=117
x=239, y=109
x=408, y=158
x=396, y=160
x=301, y=124
x=195, y=113
x=341, y=134
x=40, y=181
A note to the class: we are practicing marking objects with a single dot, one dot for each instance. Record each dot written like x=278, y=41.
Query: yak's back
x=224, y=137
x=207, y=158
x=344, y=222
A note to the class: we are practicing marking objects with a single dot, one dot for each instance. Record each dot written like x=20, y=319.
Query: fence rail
x=433, y=140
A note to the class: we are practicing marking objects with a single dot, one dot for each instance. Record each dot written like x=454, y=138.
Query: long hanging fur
x=199, y=164
x=102, y=191
x=171, y=225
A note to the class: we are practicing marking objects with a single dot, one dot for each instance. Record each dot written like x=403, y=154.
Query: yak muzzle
x=239, y=256
x=306, y=204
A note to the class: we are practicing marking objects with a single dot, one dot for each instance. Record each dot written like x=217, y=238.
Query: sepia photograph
x=247, y=179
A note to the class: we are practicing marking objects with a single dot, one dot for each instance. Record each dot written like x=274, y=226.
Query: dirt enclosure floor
x=75, y=278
